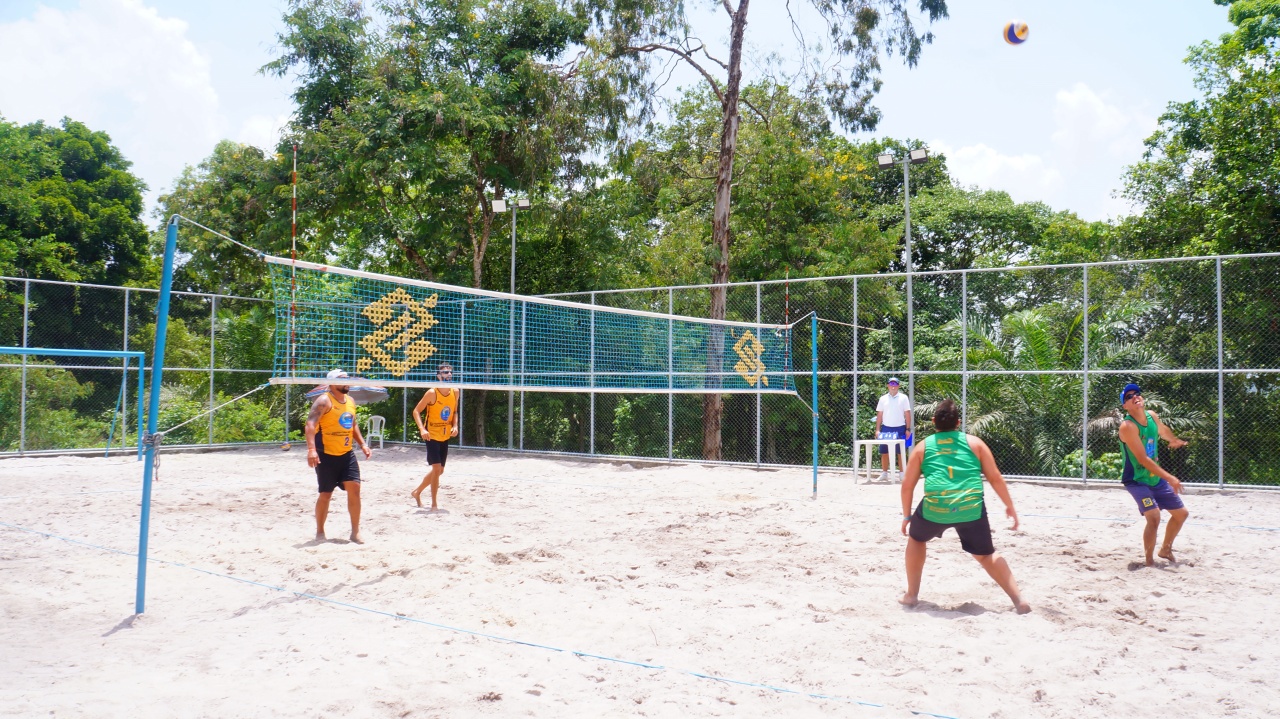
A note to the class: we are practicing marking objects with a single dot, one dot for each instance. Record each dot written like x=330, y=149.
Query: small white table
x=869, y=446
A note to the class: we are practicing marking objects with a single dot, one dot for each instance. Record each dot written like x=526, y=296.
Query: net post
x=813, y=340
x=22, y=416
x=153, y=410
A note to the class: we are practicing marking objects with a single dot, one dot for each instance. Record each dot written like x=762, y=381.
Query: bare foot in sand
x=417, y=497
x=909, y=600
x=1166, y=553
x=1150, y=562
x=1022, y=607
x=320, y=537
x=357, y=538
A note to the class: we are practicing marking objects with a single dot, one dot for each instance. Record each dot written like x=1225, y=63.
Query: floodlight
x=885, y=161
x=499, y=205
x=523, y=203
x=919, y=155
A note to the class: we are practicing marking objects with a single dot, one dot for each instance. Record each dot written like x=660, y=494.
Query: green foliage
x=248, y=420
x=1209, y=183
x=1107, y=465
x=53, y=421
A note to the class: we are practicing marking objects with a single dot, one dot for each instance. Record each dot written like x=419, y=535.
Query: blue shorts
x=891, y=433
x=1160, y=496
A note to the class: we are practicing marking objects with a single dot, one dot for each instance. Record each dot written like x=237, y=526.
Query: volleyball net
x=395, y=332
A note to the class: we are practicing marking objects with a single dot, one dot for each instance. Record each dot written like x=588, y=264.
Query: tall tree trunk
x=713, y=404
x=479, y=246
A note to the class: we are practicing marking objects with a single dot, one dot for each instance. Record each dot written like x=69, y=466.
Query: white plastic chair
x=376, y=423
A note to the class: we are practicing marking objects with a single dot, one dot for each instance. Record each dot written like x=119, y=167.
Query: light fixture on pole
x=885, y=161
x=499, y=206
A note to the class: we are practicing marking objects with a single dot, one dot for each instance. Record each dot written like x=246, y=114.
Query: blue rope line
x=472, y=632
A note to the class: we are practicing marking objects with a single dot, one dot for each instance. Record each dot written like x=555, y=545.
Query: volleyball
x=1015, y=33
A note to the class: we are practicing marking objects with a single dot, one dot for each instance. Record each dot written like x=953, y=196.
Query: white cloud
x=1093, y=139
x=262, y=131
x=117, y=66
x=1026, y=175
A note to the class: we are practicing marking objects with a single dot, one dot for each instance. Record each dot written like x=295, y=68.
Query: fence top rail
x=882, y=275
x=131, y=289
x=71, y=352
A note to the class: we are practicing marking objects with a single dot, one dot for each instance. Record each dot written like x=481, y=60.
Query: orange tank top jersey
x=336, y=426
x=440, y=415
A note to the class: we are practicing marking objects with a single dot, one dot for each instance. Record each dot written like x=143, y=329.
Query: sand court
x=565, y=588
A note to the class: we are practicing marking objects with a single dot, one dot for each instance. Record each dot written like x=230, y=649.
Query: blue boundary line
x=474, y=633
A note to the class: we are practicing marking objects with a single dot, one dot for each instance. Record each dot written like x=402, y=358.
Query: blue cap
x=893, y=380
x=1126, y=389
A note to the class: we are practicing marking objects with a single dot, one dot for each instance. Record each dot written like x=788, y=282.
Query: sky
x=1056, y=119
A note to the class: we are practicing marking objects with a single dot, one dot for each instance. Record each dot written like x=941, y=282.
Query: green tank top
x=1133, y=471
x=952, y=479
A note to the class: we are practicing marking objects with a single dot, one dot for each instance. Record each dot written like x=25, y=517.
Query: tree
x=1208, y=182
x=240, y=191
x=637, y=30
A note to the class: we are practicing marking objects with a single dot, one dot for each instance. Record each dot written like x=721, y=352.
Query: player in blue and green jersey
x=953, y=465
x=1151, y=486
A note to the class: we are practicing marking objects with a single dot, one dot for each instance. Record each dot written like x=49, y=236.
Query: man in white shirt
x=893, y=418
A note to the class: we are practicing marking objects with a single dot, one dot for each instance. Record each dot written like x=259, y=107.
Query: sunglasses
x=1130, y=395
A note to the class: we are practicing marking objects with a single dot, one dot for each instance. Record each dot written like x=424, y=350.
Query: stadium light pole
x=886, y=161
x=500, y=206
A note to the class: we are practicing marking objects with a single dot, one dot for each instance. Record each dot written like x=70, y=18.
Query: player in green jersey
x=1148, y=483
x=953, y=465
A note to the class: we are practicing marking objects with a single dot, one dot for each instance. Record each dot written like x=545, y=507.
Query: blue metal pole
x=153, y=409
x=814, y=342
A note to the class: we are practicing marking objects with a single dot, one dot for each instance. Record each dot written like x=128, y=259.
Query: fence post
x=964, y=351
x=1221, y=407
x=757, y=385
x=213, y=324
x=22, y=420
x=671, y=310
x=460, y=374
x=591, y=370
x=524, y=324
x=404, y=415
x=1084, y=416
x=124, y=381
x=853, y=443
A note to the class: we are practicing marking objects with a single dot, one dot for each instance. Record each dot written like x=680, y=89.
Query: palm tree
x=1031, y=412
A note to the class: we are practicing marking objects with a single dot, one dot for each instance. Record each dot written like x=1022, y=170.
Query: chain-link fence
x=218, y=347
x=1036, y=356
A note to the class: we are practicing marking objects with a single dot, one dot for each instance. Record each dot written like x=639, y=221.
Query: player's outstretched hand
x=1176, y=484
x=1177, y=443
x=1012, y=513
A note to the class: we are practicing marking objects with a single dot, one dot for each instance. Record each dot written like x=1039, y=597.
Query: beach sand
x=515, y=601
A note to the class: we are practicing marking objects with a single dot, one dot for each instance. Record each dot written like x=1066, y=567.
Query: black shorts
x=437, y=452
x=333, y=471
x=975, y=535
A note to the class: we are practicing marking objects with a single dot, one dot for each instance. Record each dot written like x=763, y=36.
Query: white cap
x=336, y=373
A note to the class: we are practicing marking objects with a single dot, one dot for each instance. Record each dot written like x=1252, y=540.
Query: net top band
x=508, y=296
